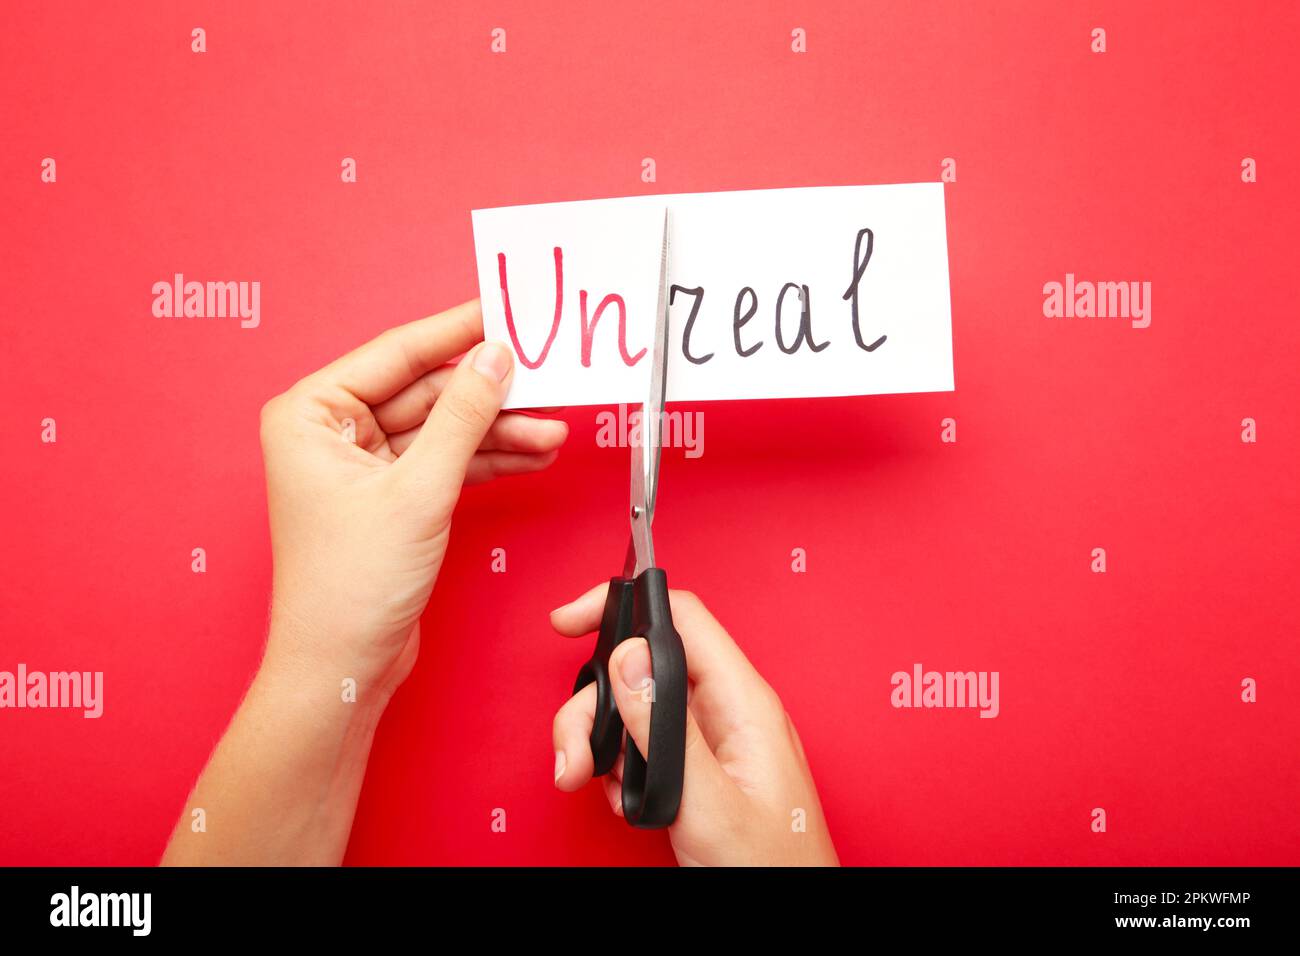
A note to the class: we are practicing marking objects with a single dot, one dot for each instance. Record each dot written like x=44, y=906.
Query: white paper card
x=743, y=262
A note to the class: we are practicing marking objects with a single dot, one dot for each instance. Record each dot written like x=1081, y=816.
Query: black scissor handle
x=652, y=789
x=615, y=628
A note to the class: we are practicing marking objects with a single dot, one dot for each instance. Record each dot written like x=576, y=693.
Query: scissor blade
x=652, y=412
x=645, y=453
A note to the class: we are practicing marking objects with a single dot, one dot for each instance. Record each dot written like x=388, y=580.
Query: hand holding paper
x=364, y=465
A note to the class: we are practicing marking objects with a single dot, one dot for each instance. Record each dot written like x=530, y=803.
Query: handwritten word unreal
x=211, y=300
x=791, y=295
x=1102, y=300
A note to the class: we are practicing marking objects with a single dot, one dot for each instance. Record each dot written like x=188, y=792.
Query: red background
x=1119, y=690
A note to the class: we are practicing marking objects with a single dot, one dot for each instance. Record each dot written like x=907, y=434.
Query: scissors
x=636, y=605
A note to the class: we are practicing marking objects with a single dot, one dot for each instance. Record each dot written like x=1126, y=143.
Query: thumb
x=461, y=417
x=633, y=685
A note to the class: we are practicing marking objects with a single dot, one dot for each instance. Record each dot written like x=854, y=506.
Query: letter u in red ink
x=589, y=328
x=510, y=319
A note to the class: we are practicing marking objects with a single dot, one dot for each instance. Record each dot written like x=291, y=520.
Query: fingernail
x=560, y=764
x=493, y=360
x=634, y=667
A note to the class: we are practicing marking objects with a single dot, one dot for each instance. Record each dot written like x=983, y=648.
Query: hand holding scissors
x=727, y=775
x=637, y=605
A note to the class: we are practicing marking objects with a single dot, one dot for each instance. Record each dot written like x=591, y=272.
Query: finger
x=488, y=465
x=514, y=432
x=410, y=406
x=631, y=677
x=510, y=432
x=384, y=365
x=459, y=421
x=571, y=736
x=717, y=664
x=614, y=794
x=727, y=694
x=713, y=659
x=581, y=616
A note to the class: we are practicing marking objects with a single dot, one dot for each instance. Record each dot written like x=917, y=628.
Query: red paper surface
x=1119, y=690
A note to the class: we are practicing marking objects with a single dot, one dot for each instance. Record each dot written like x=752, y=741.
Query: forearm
x=281, y=788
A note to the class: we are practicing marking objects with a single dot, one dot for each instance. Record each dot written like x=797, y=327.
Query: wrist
x=291, y=764
x=316, y=674
x=312, y=634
